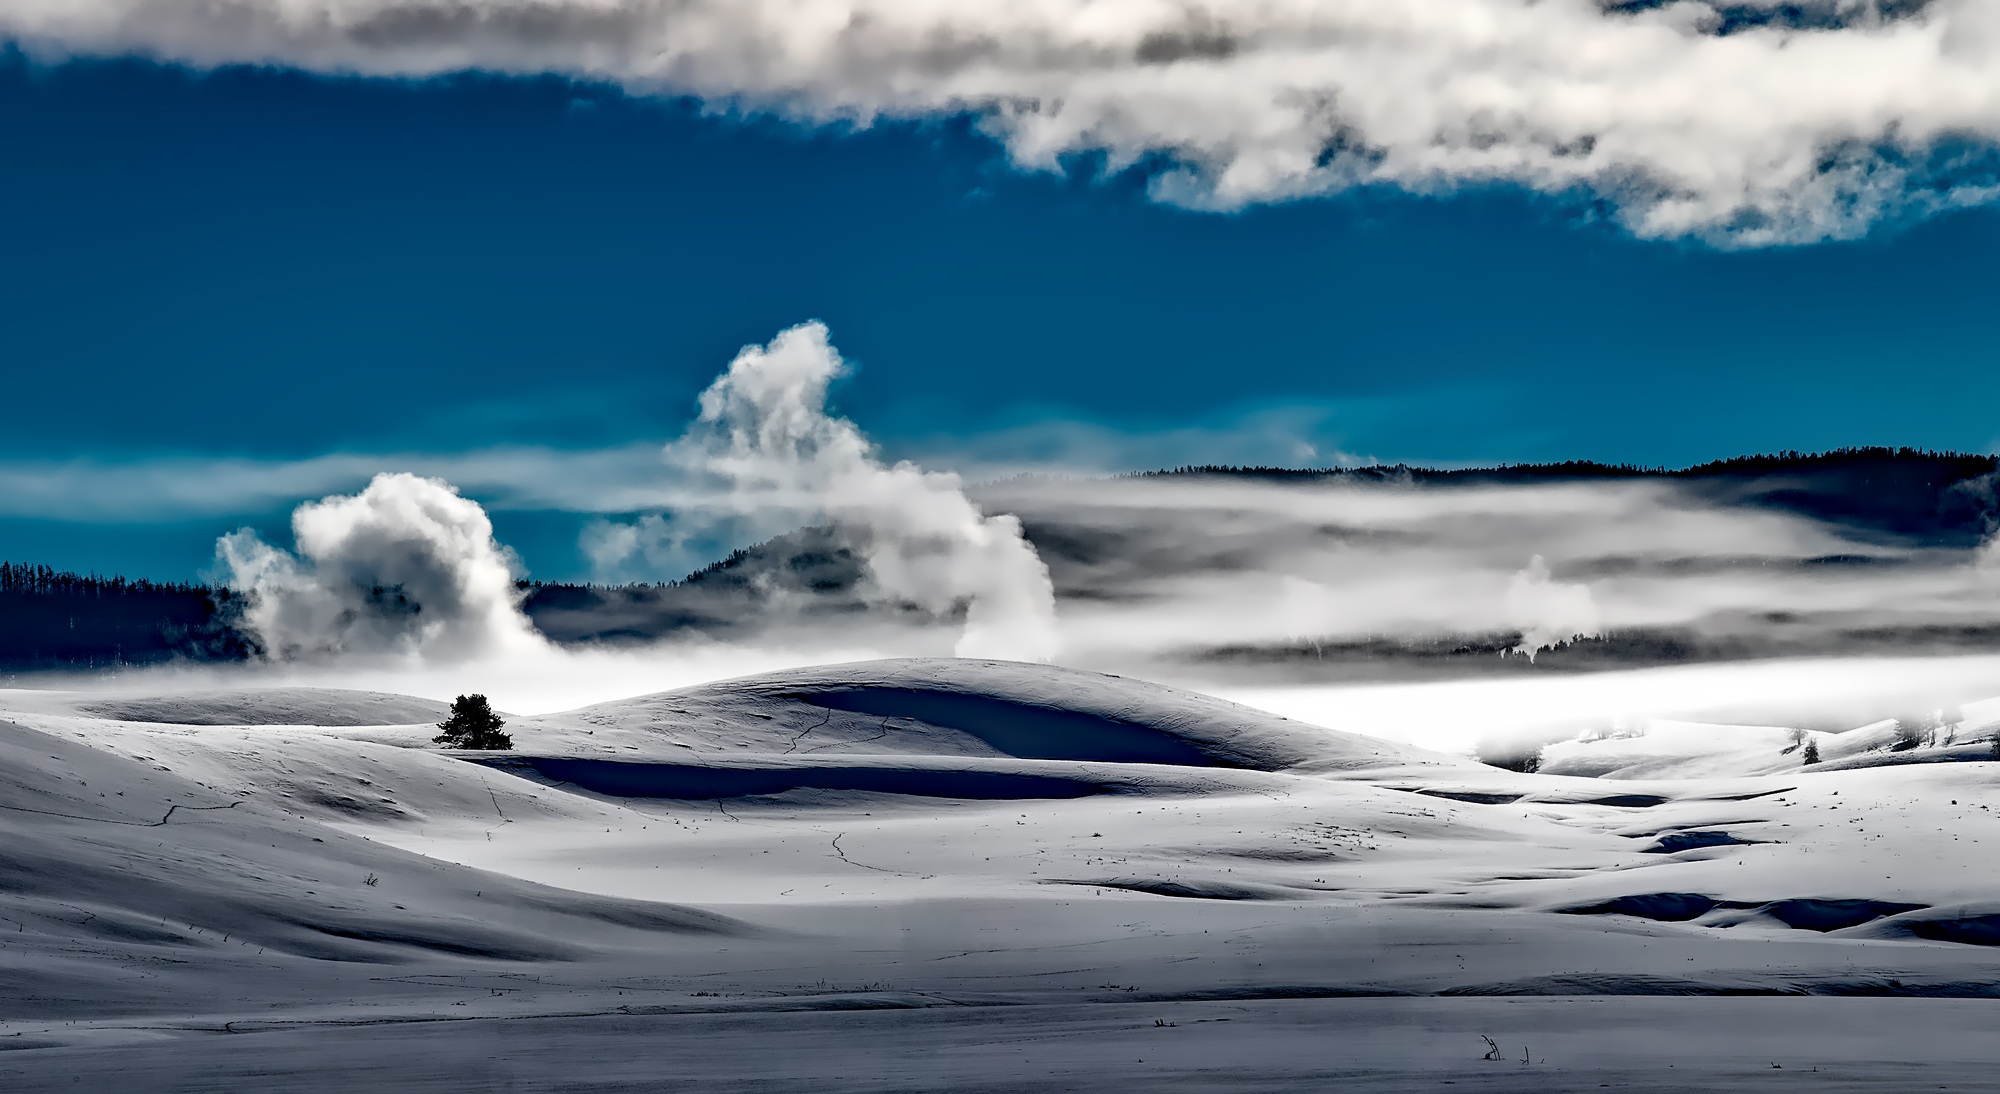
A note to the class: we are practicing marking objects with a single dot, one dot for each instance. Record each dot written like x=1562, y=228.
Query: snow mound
x=1674, y=750
x=963, y=707
x=798, y=781
x=639, y=779
x=271, y=707
x=100, y=848
x=1969, y=928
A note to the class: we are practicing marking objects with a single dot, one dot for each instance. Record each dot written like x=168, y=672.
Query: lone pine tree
x=473, y=725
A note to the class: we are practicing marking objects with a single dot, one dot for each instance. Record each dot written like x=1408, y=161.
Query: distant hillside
x=1934, y=498
x=807, y=573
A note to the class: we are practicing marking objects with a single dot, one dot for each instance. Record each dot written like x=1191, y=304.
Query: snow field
x=965, y=875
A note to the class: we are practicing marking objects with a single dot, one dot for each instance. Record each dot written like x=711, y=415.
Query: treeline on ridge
x=51, y=619
x=1937, y=498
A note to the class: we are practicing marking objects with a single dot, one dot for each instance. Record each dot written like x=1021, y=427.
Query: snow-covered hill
x=880, y=876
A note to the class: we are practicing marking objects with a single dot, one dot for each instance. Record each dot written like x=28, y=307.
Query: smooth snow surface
x=925, y=875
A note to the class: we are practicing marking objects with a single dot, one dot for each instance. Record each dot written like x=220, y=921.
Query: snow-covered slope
x=891, y=837
x=960, y=707
x=270, y=707
x=1683, y=750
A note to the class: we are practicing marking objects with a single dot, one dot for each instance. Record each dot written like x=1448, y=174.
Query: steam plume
x=1549, y=612
x=406, y=567
x=771, y=454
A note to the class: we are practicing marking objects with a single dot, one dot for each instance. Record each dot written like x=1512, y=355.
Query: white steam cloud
x=1744, y=121
x=1549, y=612
x=766, y=452
x=407, y=568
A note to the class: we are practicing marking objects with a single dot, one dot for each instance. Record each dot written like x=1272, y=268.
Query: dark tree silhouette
x=1812, y=752
x=473, y=725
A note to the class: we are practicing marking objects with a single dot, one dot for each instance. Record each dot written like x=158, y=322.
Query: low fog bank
x=1500, y=718
x=1288, y=578
x=1360, y=576
x=537, y=680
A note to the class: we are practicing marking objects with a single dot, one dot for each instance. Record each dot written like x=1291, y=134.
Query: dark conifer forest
x=53, y=620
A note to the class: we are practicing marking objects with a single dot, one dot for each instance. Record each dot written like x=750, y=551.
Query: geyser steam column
x=409, y=568
x=405, y=568
x=766, y=452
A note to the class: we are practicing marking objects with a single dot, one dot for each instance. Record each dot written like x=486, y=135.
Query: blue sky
x=266, y=266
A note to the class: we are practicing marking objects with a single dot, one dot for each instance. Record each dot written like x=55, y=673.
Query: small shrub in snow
x=1812, y=751
x=473, y=725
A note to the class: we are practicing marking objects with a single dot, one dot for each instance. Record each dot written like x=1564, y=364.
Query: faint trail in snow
x=192, y=809
x=863, y=865
x=495, y=799
x=881, y=732
x=113, y=820
x=802, y=733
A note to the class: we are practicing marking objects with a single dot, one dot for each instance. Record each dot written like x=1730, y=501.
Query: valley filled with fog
x=1036, y=783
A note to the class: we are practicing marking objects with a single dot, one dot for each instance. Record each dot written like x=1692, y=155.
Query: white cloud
x=1690, y=118
x=155, y=488
x=625, y=479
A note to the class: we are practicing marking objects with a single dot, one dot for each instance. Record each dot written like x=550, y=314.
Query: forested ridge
x=53, y=619
x=1941, y=498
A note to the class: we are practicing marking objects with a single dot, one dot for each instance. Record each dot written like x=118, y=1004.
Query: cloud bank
x=1752, y=122
x=406, y=568
x=622, y=479
x=765, y=456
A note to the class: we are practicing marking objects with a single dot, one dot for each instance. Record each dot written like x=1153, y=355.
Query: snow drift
x=801, y=860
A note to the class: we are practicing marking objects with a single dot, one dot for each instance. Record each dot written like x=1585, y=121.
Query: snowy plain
x=950, y=874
